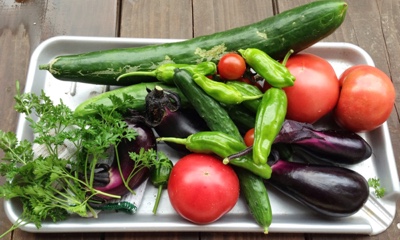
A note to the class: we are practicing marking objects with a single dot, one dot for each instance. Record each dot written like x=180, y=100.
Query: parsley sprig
x=48, y=186
x=376, y=185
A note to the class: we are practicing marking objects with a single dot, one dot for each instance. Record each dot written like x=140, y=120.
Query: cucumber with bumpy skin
x=296, y=29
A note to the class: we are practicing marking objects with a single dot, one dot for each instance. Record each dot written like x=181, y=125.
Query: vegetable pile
x=242, y=113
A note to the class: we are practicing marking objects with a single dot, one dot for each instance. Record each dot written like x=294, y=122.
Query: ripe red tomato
x=202, y=189
x=315, y=91
x=366, y=99
x=249, y=137
x=231, y=66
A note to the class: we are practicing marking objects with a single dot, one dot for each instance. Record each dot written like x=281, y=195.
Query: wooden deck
x=373, y=25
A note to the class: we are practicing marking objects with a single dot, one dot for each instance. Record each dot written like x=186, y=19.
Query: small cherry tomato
x=249, y=137
x=315, y=91
x=231, y=66
x=366, y=98
x=202, y=189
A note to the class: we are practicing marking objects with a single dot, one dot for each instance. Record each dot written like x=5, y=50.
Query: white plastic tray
x=288, y=215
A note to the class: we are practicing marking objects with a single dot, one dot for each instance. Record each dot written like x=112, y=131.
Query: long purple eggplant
x=115, y=184
x=164, y=114
x=334, y=146
x=329, y=190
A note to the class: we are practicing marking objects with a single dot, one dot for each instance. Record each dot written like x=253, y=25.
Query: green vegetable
x=243, y=118
x=269, y=119
x=222, y=92
x=215, y=116
x=296, y=29
x=48, y=186
x=253, y=189
x=275, y=73
x=165, y=72
x=159, y=175
x=376, y=185
x=223, y=145
x=137, y=93
x=249, y=90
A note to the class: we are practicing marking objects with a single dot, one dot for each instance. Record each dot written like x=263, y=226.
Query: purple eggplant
x=334, y=146
x=329, y=190
x=164, y=114
x=115, y=184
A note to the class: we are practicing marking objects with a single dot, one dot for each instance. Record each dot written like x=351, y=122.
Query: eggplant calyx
x=158, y=102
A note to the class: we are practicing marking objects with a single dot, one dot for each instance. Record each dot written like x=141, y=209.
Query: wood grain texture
x=156, y=19
x=212, y=16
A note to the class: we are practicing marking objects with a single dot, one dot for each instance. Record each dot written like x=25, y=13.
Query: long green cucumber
x=137, y=91
x=296, y=29
x=255, y=193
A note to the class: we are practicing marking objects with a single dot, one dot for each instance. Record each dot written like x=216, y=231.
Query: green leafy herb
x=48, y=186
x=375, y=183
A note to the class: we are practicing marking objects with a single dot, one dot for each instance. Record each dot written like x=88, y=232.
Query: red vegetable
x=202, y=189
x=231, y=66
x=366, y=99
x=316, y=88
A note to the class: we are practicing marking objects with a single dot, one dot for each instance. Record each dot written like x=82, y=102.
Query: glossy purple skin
x=180, y=124
x=336, y=146
x=145, y=139
x=329, y=190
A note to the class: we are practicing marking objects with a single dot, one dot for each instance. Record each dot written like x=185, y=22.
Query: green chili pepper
x=269, y=119
x=159, y=175
x=275, y=73
x=249, y=90
x=222, y=145
x=165, y=72
x=221, y=91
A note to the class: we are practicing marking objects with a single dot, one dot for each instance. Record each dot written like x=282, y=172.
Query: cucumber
x=137, y=91
x=296, y=29
x=254, y=191
x=208, y=108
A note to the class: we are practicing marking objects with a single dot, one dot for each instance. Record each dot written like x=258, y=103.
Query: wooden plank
x=156, y=19
x=374, y=26
x=23, y=25
x=212, y=16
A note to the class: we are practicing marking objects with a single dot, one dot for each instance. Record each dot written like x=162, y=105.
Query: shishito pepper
x=274, y=72
x=270, y=116
x=165, y=72
x=159, y=175
x=222, y=145
x=249, y=90
x=221, y=91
